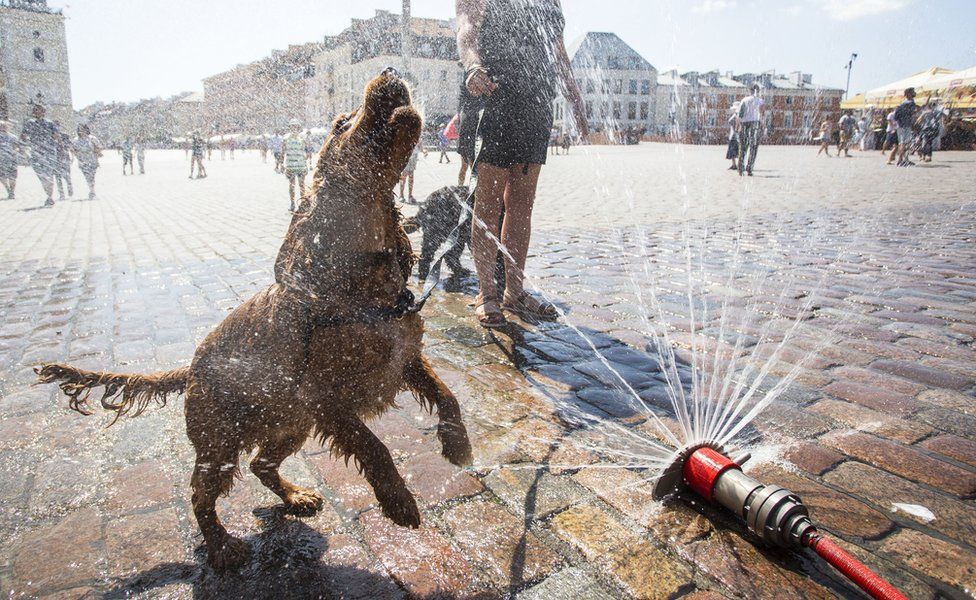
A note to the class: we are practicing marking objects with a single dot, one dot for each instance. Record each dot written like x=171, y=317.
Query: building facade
x=424, y=51
x=33, y=62
x=155, y=120
x=617, y=85
x=261, y=96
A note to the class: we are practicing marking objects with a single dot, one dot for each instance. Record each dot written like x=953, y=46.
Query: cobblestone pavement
x=867, y=272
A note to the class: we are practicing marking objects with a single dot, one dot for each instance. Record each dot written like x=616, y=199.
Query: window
x=632, y=111
x=606, y=86
x=713, y=99
x=613, y=62
x=808, y=100
x=39, y=54
x=807, y=119
x=589, y=109
x=604, y=110
x=616, y=110
x=731, y=99
x=426, y=75
x=443, y=75
x=618, y=86
x=789, y=100
x=646, y=87
x=37, y=34
x=590, y=86
x=788, y=119
x=711, y=119
x=644, y=115
x=633, y=86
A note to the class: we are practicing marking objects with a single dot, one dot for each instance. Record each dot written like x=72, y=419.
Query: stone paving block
x=140, y=542
x=948, y=399
x=642, y=569
x=880, y=399
x=874, y=379
x=923, y=374
x=349, y=569
x=433, y=479
x=63, y=554
x=955, y=447
x=568, y=583
x=143, y=485
x=498, y=545
x=904, y=430
x=784, y=420
x=533, y=492
x=812, y=457
x=943, y=561
x=350, y=487
x=904, y=460
x=625, y=490
x=951, y=421
x=430, y=567
x=952, y=518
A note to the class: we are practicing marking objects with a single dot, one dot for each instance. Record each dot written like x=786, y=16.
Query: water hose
x=776, y=515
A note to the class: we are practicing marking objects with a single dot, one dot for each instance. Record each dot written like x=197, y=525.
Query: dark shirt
x=905, y=113
x=41, y=137
x=518, y=42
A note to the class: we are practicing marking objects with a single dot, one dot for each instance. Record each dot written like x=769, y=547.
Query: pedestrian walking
x=904, y=120
x=553, y=141
x=231, y=146
x=263, y=148
x=443, y=144
x=275, y=143
x=865, y=137
x=732, y=151
x=40, y=135
x=408, y=173
x=10, y=149
x=847, y=125
x=891, y=134
x=514, y=57
x=140, y=150
x=566, y=142
x=928, y=126
x=62, y=172
x=749, y=129
x=825, y=135
x=127, y=157
x=197, y=146
x=87, y=150
x=295, y=166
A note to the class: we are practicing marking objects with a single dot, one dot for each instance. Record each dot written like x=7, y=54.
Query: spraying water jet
x=775, y=515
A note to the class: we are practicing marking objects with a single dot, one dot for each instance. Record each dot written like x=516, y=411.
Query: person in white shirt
x=891, y=135
x=749, y=128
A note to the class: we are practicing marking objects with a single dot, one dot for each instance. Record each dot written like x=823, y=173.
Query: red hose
x=853, y=569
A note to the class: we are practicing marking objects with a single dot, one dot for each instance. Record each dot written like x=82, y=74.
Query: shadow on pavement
x=287, y=561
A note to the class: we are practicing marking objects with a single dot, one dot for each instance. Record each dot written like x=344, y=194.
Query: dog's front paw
x=231, y=553
x=303, y=501
x=399, y=506
x=455, y=445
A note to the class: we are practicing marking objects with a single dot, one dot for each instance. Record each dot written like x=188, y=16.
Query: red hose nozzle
x=776, y=515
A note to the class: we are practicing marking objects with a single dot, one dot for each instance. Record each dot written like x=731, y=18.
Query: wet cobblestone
x=868, y=273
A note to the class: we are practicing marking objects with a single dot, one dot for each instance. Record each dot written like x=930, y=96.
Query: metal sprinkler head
x=775, y=515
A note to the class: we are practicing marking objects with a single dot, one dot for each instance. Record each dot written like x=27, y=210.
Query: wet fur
x=270, y=374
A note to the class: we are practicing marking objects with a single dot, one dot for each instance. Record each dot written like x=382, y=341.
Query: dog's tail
x=124, y=393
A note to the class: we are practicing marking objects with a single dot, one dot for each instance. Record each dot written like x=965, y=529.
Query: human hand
x=478, y=82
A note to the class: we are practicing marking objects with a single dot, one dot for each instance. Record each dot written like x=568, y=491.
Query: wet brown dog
x=318, y=351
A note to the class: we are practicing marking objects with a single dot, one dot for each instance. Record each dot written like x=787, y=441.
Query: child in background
x=296, y=168
x=824, y=138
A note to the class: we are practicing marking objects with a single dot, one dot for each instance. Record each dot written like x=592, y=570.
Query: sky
x=124, y=50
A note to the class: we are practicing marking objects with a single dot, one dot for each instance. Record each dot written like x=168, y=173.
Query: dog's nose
x=391, y=71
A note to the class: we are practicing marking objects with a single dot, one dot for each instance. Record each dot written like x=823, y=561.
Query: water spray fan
x=775, y=515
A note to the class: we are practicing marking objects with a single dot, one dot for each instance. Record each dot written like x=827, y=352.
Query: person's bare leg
x=403, y=181
x=488, y=199
x=463, y=172
x=410, y=186
x=517, y=225
x=894, y=153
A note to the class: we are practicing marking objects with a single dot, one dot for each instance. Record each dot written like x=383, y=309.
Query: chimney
x=406, y=43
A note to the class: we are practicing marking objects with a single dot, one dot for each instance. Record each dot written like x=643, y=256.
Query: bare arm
x=470, y=14
x=570, y=89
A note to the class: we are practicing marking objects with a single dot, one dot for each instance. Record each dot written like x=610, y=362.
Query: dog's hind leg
x=213, y=476
x=265, y=465
x=455, y=446
x=351, y=437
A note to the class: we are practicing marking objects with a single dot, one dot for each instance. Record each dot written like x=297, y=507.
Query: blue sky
x=126, y=50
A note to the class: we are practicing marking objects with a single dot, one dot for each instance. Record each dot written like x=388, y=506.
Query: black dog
x=438, y=216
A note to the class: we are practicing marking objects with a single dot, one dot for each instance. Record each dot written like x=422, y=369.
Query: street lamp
x=850, y=65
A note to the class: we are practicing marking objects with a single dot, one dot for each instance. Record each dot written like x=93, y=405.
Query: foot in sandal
x=530, y=307
x=489, y=313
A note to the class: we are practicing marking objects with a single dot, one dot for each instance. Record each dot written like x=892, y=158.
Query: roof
x=896, y=88
x=601, y=48
x=670, y=78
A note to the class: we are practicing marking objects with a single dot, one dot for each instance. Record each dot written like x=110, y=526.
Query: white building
x=428, y=61
x=617, y=85
x=33, y=62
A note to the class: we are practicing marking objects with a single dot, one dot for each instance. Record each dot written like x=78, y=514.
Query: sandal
x=488, y=312
x=527, y=306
